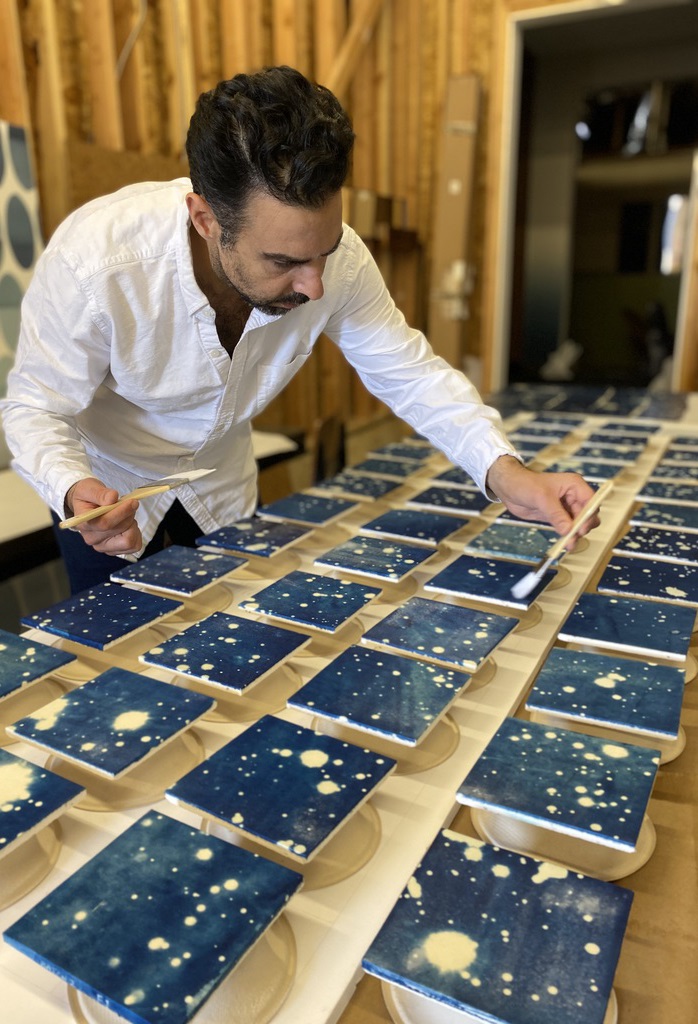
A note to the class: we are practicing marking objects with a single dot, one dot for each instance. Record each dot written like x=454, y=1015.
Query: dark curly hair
x=273, y=131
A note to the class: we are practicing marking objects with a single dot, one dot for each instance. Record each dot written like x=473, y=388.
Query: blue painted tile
x=408, y=451
x=30, y=798
x=505, y=516
x=357, y=485
x=24, y=661
x=619, y=454
x=630, y=427
x=667, y=517
x=102, y=615
x=548, y=431
x=307, y=509
x=414, y=524
x=155, y=921
x=457, y=477
x=446, y=633
x=254, y=536
x=308, y=599
x=684, y=441
x=659, y=581
x=283, y=784
x=528, y=445
x=384, y=694
x=450, y=499
x=663, y=545
x=628, y=438
x=178, y=570
x=608, y=690
x=625, y=624
x=508, y=938
x=589, y=469
x=675, y=471
x=397, y=468
x=112, y=722
x=486, y=579
x=585, y=786
x=669, y=492
x=376, y=557
x=509, y=540
x=679, y=456
x=226, y=651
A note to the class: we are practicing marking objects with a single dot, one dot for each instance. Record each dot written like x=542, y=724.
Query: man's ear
x=201, y=215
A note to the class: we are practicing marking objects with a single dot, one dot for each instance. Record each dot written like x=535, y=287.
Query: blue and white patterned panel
x=625, y=624
x=102, y=615
x=450, y=499
x=659, y=581
x=630, y=427
x=689, y=441
x=585, y=786
x=505, y=516
x=486, y=579
x=529, y=447
x=357, y=485
x=675, y=471
x=511, y=939
x=384, y=694
x=627, y=438
x=376, y=557
x=20, y=243
x=507, y=540
x=669, y=493
x=178, y=570
x=112, y=722
x=30, y=798
x=679, y=457
x=24, y=661
x=407, y=451
x=657, y=544
x=308, y=599
x=456, y=477
x=667, y=517
x=307, y=509
x=620, y=454
x=391, y=468
x=283, y=784
x=226, y=651
x=260, y=537
x=446, y=633
x=546, y=431
x=414, y=524
x=154, y=922
x=610, y=691
x=589, y=469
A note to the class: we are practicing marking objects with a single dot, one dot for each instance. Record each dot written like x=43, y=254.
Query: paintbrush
x=526, y=585
x=144, y=491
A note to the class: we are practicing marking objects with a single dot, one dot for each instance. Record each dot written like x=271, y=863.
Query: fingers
x=114, y=532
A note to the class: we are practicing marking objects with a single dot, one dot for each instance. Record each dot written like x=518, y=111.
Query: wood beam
x=100, y=40
x=355, y=42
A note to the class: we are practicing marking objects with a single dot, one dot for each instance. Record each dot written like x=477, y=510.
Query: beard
x=277, y=307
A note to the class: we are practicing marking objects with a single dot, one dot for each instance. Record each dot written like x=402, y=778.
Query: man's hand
x=113, y=533
x=555, y=498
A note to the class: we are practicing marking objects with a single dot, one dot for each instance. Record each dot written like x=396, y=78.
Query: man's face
x=279, y=255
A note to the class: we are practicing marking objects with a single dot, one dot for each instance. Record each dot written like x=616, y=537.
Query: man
x=161, y=319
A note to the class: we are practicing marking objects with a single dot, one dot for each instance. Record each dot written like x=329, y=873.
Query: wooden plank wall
x=120, y=78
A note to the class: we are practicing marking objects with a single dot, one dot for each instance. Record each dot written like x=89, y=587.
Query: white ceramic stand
x=581, y=855
x=406, y=1007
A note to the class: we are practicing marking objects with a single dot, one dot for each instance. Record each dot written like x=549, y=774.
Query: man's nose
x=308, y=279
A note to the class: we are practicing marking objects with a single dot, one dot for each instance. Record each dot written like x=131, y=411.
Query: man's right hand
x=113, y=533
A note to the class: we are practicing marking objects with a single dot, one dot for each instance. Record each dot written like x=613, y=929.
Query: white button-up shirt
x=120, y=373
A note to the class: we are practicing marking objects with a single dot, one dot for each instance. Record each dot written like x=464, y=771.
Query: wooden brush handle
x=140, y=492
